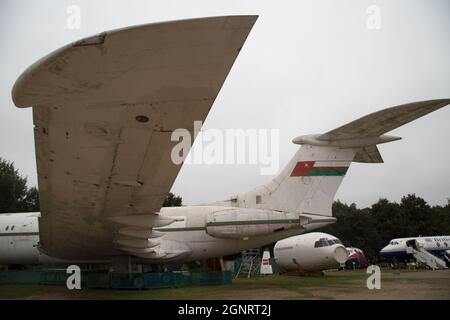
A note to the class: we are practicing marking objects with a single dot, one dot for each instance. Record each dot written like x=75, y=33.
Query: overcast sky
x=307, y=67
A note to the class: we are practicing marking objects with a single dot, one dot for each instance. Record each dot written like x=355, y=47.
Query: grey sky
x=307, y=67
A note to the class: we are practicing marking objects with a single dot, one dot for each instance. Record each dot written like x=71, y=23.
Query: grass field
x=334, y=285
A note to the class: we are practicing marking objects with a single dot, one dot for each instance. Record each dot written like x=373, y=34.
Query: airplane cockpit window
x=321, y=243
x=394, y=243
x=324, y=242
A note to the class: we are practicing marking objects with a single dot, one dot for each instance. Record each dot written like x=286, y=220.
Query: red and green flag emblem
x=317, y=168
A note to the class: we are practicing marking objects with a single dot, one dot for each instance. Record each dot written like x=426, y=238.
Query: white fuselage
x=311, y=252
x=19, y=240
x=197, y=234
x=396, y=248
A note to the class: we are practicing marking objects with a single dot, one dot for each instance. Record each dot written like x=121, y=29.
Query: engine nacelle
x=242, y=223
x=311, y=252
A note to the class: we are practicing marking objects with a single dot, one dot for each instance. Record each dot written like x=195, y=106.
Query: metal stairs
x=423, y=256
x=447, y=258
x=250, y=265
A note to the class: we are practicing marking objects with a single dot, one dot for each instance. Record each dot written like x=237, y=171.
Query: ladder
x=250, y=265
x=423, y=256
x=447, y=258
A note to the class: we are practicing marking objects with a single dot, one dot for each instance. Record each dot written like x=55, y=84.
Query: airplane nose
x=340, y=254
x=383, y=252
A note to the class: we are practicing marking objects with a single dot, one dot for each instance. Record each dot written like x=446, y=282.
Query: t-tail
x=309, y=182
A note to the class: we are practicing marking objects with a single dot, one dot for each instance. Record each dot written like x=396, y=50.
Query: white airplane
x=310, y=253
x=436, y=245
x=104, y=109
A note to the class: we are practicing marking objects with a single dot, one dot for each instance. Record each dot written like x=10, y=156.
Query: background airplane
x=310, y=253
x=433, y=251
x=356, y=259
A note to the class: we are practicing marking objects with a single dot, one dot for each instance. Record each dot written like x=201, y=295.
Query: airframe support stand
x=215, y=264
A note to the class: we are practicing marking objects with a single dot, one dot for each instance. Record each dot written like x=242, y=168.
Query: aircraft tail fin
x=309, y=182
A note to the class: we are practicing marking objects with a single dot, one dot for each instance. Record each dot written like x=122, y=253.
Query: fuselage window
x=7, y=228
x=12, y=228
x=258, y=200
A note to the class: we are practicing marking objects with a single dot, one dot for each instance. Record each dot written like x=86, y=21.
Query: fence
x=90, y=279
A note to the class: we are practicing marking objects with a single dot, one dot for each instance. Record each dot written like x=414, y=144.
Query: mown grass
x=261, y=287
x=299, y=286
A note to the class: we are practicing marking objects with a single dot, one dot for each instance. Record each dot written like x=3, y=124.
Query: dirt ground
x=334, y=285
x=422, y=285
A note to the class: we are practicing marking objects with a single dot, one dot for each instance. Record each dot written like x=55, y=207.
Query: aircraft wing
x=380, y=122
x=104, y=109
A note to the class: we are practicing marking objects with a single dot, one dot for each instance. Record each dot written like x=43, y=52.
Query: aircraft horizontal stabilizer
x=365, y=133
x=380, y=122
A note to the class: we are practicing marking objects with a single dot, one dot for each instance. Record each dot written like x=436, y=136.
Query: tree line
x=370, y=229
x=15, y=195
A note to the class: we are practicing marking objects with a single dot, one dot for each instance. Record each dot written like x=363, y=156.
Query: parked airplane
x=397, y=249
x=104, y=109
x=356, y=259
x=310, y=253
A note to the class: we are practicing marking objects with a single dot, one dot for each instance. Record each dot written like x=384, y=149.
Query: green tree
x=15, y=196
x=355, y=227
x=417, y=215
x=172, y=200
x=389, y=220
